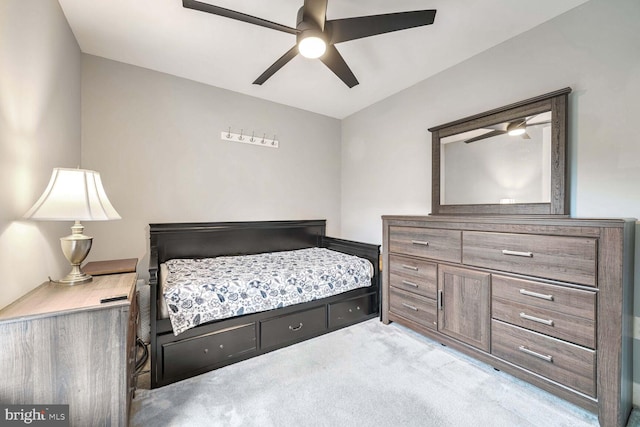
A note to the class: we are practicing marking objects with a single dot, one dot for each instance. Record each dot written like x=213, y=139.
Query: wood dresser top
x=50, y=297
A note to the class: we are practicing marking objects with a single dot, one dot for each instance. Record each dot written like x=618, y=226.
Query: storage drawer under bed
x=351, y=311
x=293, y=327
x=192, y=354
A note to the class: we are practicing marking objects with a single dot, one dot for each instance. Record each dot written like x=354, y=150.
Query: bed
x=205, y=345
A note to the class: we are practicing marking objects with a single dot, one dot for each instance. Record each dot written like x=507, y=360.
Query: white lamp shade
x=73, y=195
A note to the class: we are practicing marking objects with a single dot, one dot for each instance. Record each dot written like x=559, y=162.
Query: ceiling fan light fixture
x=517, y=131
x=312, y=45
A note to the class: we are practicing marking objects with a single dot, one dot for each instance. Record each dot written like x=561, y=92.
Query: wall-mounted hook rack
x=243, y=137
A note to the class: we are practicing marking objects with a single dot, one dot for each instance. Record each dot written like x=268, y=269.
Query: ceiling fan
x=514, y=128
x=316, y=36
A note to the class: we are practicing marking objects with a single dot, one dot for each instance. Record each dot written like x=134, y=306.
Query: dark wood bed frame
x=220, y=343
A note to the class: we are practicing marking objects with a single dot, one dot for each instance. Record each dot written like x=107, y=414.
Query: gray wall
x=155, y=139
x=39, y=130
x=595, y=49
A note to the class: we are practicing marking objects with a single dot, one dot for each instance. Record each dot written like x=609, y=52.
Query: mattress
x=197, y=291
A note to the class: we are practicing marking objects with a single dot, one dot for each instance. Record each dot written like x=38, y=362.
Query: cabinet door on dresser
x=464, y=305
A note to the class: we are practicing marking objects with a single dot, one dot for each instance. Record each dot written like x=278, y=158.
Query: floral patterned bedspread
x=201, y=290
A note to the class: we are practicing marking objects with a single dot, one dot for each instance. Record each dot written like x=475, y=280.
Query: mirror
x=507, y=161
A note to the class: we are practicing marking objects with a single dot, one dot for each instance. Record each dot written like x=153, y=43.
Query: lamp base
x=75, y=247
x=75, y=277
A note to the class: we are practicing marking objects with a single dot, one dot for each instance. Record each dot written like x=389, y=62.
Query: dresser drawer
x=566, y=363
x=413, y=307
x=353, y=310
x=570, y=259
x=181, y=357
x=420, y=277
x=570, y=301
x=554, y=323
x=432, y=243
x=562, y=312
x=293, y=327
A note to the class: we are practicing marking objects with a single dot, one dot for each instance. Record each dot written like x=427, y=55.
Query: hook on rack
x=241, y=137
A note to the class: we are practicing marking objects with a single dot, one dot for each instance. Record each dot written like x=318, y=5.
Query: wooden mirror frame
x=556, y=102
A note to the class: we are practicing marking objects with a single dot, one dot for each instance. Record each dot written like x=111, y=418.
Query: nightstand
x=62, y=345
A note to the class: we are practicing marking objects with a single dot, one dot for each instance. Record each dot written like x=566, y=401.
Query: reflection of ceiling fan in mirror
x=515, y=128
x=316, y=35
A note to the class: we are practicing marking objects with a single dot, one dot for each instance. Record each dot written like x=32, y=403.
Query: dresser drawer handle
x=536, y=319
x=536, y=295
x=420, y=242
x=295, y=328
x=517, y=253
x=408, y=283
x=404, y=304
x=410, y=267
x=545, y=357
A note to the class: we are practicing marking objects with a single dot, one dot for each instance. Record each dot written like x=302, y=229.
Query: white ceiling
x=162, y=35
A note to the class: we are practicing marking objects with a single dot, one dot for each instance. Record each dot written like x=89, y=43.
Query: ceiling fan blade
x=316, y=10
x=346, y=29
x=281, y=62
x=499, y=126
x=238, y=16
x=336, y=63
x=525, y=136
x=485, y=136
x=538, y=123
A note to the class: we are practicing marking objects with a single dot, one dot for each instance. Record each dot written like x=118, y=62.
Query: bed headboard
x=210, y=239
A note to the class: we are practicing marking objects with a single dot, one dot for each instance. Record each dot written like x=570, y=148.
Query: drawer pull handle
x=545, y=357
x=536, y=295
x=295, y=328
x=410, y=267
x=410, y=306
x=420, y=242
x=517, y=253
x=440, y=300
x=408, y=283
x=536, y=319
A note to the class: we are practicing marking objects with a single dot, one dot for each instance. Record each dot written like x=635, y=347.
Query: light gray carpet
x=367, y=374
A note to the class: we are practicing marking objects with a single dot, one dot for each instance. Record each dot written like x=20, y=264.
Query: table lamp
x=74, y=195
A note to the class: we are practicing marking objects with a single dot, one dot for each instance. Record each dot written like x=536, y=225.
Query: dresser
x=61, y=345
x=548, y=300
